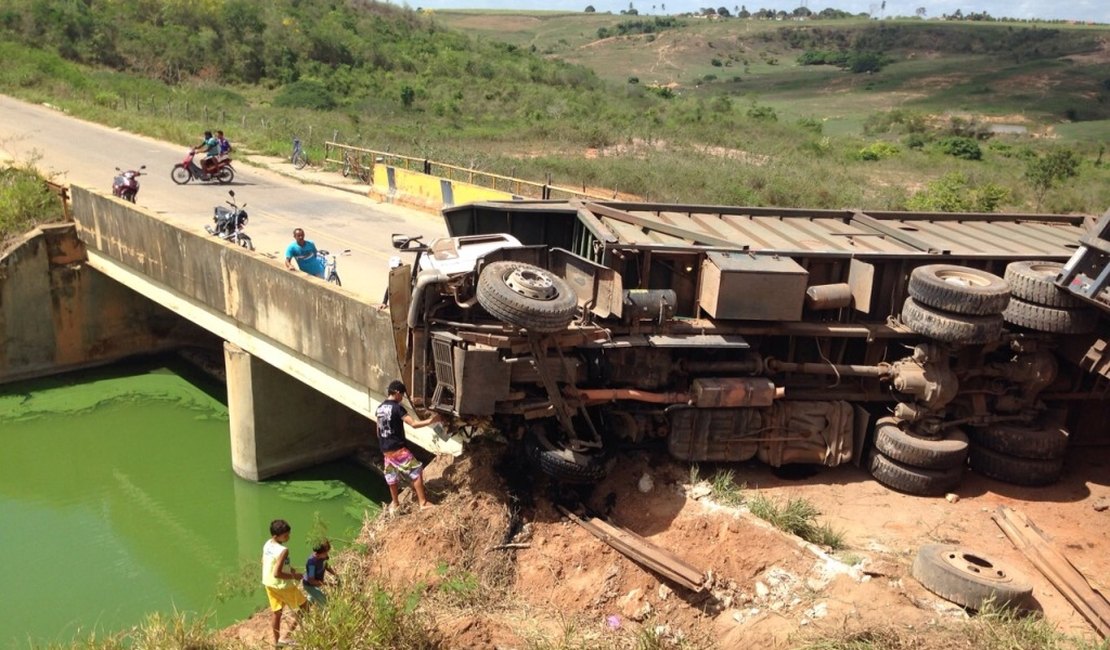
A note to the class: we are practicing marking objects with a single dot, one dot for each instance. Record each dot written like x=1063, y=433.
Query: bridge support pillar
x=279, y=424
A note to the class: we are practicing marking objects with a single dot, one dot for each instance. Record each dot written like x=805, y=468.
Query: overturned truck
x=909, y=343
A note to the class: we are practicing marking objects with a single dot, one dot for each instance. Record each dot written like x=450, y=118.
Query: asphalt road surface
x=278, y=198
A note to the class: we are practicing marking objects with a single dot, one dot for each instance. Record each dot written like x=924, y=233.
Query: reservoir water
x=117, y=499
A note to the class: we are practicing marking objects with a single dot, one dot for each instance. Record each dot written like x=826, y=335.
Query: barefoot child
x=392, y=418
x=279, y=578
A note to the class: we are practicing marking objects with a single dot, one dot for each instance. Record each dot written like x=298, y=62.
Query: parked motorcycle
x=229, y=223
x=126, y=183
x=187, y=170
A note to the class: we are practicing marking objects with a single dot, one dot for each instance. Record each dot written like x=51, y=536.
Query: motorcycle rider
x=211, y=147
x=304, y=251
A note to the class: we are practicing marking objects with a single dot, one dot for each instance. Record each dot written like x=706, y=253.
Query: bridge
x=306, y=362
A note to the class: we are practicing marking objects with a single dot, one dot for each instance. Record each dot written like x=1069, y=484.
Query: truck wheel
x=561, y=464
x=1050, y=319
x=950, y=328
x=1031, y=472
x=926, y=453
x=1023, y=440
x=1034, y=281
x=959, y=289
x=913, y=480
x=527, y=296
x=969, y=579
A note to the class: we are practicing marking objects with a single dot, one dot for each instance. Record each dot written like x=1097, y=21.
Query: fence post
x=427, y=167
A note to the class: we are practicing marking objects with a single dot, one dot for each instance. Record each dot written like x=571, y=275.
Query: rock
x=951, y=497
x=761, y=590
x=700, y=491
x=664, y=591
x=646, y=483
x=1102, y=504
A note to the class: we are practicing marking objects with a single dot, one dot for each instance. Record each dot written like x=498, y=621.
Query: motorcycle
x=187, y=170
x=126, y=184
x=229, y=223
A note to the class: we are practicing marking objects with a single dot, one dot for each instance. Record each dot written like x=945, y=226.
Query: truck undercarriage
x=904, y=342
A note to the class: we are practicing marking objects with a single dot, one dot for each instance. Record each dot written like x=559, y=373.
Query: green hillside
x=666, y=108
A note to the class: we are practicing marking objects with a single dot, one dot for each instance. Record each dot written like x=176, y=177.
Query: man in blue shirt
x=211, y=148
x=304, y=251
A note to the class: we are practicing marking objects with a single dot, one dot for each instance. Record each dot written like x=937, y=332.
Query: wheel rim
x=531, y=284
x=1045, y=269
x=962, y=278
x=975, y=565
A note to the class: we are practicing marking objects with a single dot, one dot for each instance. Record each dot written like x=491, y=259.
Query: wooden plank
x=1055, y=566
x=642, y=551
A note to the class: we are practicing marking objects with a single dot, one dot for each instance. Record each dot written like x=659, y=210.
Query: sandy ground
x=766, y=589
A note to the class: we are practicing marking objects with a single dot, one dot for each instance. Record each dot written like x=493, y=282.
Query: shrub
x=633, y=80
x=1046, y=172
x=763, y=113
x=915, y=141
x=24, y=201
x=811, y=124
x=960, y=147
x=953, y=192
x=305, y=93
x=877, y=151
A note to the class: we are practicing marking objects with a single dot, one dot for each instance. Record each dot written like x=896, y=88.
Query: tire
x=925, y=453
x=245, y=242
x=1030, y=472
x=959, y=289
x=950, y=328
x=913, y=480
x=550, y=308
x=1050, y=319
x=299, y=160
x=1035, y=281
x=334, y=279
x=970, y=579
x=225, y=175
x=180, y=174
x=130, y=196
x=1023, y=440
x=560, y=464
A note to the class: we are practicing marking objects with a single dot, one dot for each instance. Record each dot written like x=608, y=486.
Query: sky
x=1079, y=10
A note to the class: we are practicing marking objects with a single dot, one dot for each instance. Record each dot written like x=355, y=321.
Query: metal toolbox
x=749, y=286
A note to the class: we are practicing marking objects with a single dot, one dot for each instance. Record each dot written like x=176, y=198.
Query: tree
x=920, y=12
x=723, y=12
x=1048, y=171
x=590, y=9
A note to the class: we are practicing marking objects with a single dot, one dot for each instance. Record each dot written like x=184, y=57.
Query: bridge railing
x=338, y=153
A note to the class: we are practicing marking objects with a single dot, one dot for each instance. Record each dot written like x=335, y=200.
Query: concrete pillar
x=279, y=424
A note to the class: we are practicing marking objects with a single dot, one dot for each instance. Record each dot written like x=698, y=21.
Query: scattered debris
x=1055, y=566
x=951, y=497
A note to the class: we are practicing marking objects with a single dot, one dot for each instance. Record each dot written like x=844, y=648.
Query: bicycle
x=354, y=163
x=299, y=157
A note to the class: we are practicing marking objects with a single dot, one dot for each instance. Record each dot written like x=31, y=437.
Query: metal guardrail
x=63, y=195
x=516, y=186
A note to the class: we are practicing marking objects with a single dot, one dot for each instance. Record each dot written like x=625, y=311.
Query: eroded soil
x=766, y=589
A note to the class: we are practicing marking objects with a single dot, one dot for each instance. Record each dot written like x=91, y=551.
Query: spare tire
x=564, y=465
x=1035, y=281
x=950, y=328
x=970, y=579
x=959, y=289
x=527, y=296
x=915, y=451
x=1050, y=319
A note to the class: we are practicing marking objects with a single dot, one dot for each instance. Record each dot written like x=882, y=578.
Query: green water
x=117, y=499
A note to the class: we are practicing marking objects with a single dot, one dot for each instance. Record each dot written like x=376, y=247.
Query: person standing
x=304, y=251
x=279, y=579
x=392, y=418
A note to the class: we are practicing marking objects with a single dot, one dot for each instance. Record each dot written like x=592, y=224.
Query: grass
x=725, y=489
x=991, y=629
x=25, y=200
x=798, y=517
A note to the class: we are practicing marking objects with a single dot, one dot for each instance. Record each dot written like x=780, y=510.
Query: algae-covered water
x=117, y=499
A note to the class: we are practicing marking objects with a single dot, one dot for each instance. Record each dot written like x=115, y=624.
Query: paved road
x=335, y=215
